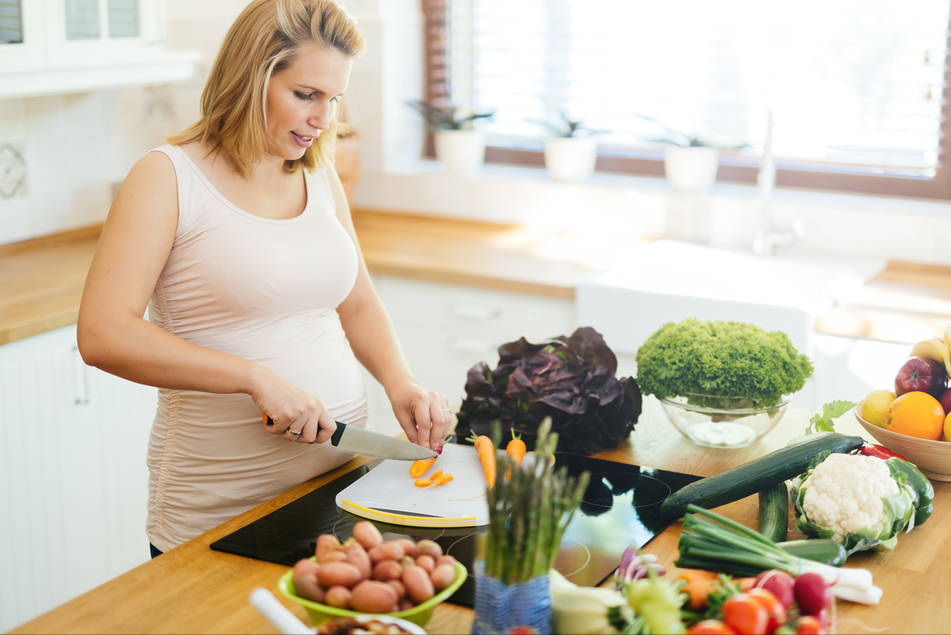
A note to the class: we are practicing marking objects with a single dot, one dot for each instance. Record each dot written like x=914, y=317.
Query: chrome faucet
x=768, y=233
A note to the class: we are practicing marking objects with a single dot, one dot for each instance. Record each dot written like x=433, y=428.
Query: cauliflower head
x=856, y=500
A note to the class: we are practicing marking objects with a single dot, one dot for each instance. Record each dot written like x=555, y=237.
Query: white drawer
x=472, y=315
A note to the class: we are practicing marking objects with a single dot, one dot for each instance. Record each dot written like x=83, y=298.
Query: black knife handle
x=334, y=439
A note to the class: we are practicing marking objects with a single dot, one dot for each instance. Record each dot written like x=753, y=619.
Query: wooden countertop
x=192, y=589
x=42, y=279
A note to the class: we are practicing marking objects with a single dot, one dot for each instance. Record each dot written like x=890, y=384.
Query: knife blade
x=365, y=443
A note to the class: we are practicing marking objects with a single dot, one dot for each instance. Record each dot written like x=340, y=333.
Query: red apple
x=946, y=401
x=925, y=375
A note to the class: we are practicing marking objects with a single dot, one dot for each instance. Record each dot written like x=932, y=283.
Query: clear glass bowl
x=722, y=422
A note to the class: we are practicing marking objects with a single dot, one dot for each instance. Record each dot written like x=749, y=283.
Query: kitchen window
x=858, y=89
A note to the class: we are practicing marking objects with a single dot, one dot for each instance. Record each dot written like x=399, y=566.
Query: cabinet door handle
x=473, y=312
x=466, y=345
x=80, y=379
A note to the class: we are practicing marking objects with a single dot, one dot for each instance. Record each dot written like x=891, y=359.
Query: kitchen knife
x=365, y=443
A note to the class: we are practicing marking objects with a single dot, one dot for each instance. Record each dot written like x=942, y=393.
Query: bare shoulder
x=154, y=167
x=150, y=186
x=146, y=204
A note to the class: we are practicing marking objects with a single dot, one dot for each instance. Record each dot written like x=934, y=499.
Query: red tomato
x=808, y=625
x=774, y=608
x=745, y=615
x=710, y=627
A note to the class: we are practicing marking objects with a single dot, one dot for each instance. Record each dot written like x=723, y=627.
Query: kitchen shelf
x=167, y=67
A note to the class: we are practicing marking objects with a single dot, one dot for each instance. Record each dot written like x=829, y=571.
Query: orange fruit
x=916, y=414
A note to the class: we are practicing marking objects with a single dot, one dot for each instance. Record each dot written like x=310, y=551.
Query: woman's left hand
x=424, y=415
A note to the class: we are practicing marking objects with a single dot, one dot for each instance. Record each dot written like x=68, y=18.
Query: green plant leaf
x=825, y=421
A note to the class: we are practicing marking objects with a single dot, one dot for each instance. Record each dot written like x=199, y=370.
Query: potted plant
x=571, y=153
x=690, y=161
x=459, y=145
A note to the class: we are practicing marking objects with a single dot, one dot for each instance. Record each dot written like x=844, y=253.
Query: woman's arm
x=422, y=414
x=112, y=335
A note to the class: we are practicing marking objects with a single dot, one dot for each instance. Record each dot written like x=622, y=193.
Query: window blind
x=123, y=18
x=82, y=19
x=11, y=22
x=854, y=84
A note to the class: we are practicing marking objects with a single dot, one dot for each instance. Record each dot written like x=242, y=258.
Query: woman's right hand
x=296, y=414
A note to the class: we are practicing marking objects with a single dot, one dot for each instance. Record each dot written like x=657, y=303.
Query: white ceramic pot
x=691, y=169
x=460, y=151
x=570, y=158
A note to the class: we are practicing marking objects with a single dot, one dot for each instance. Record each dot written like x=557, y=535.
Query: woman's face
x=302, y=97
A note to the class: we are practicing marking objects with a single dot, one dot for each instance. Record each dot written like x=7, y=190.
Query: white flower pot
x=460, y=151
x=570, y=158
x=691, y=169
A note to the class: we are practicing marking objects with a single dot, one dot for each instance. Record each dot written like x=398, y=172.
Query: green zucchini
x=825, y=550
x=774, y=511
x=758, y=474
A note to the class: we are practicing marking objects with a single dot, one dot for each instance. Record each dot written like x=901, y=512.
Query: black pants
x=154, y=551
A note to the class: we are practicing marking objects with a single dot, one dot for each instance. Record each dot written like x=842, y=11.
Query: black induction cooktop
x=621, y=507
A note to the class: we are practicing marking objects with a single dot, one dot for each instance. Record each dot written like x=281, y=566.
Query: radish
x=812, y=593
x=779, y=583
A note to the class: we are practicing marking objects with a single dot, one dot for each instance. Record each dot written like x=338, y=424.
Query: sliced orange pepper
x=423, y=482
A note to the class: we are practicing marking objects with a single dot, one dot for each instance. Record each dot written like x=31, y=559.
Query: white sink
x=668, y=281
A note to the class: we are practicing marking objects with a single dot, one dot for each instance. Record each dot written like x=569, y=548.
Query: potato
x=400, y=588
x=338, y=596
x=387, y=570
x=405, y=604
x=305, y=580
x=443, y=575
x=426, y=562
x=407, y=561
x=332, y=556
x=409, y=546
x=371, y=596
x=367, y=534
x=446, y=559
x=419, y=587
x=392, y=550
x=358, y=557
x=325, y=544
x=338, y=574
x=426, y=547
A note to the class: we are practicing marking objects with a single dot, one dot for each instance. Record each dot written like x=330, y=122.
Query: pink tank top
x=265, y=290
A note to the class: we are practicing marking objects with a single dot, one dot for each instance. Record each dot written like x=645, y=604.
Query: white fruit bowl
x=933, y=458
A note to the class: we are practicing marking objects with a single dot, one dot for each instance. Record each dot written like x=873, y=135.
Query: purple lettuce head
x=571, y=379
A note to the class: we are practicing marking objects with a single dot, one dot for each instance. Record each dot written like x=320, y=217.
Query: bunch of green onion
x=716, y=543
x=529, y=511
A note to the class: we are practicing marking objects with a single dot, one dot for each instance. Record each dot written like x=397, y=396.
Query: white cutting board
x=387, y=493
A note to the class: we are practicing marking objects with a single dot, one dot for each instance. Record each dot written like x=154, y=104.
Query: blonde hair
x=262, y=41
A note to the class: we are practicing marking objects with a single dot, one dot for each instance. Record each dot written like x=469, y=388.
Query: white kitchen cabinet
x=74, y=480
x=63, y=46
x=446, y=329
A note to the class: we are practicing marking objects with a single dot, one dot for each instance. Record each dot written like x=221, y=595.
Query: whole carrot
x=418, y=468
x=516, y=450
x=486, y=450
